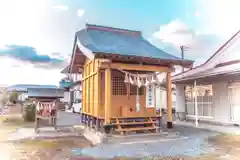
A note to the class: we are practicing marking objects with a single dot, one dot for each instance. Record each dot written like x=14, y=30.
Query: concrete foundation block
x=92, y=135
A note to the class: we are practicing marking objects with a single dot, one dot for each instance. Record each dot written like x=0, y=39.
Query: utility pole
x=183, y=48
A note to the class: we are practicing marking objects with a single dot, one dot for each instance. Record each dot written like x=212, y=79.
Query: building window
x=204, y=100
x=118, y=85
x=77, y=95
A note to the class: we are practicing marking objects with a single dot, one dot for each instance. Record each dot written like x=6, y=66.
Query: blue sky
x=36, y=36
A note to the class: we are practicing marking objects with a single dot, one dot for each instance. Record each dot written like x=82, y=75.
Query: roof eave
x=205, y=75
x=87, y=52
x=184, y=63
x=208, y=61
x=65, y=70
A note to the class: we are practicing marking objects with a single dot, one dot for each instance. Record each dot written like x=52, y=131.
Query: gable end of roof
x=216, y=54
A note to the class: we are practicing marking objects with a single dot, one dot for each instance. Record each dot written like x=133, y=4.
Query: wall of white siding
x=66, y=97
x=221, y=105
x=180, y=98
x=77, y=89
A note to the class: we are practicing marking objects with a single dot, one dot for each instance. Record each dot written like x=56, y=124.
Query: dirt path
x=227, y=146
x=41, y=149
x=45, y=149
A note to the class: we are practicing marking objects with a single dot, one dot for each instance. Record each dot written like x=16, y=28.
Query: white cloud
x=18, y=72
x=3, y=46
x=61, y=7
x=80, y=12
x=197, y=14
x=171, y=36
x=220, y=17
x=22, y=22
x=202, y=44
x=176, y=33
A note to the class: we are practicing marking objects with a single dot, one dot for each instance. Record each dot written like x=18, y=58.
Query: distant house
x=72, y=84
x=36, y=91
x=210, y=91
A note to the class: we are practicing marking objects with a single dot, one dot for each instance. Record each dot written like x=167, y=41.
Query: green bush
x=29, y=112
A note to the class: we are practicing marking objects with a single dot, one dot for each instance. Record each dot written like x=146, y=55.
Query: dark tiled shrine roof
x=101, y=39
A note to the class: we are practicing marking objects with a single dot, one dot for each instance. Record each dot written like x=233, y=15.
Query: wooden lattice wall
x=107, y=98
x=123, y=96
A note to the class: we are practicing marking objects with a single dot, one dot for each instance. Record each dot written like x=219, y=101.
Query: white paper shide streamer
x=144, y=79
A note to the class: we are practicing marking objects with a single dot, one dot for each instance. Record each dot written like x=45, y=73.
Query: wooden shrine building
x=46, y=110
x=117, y=65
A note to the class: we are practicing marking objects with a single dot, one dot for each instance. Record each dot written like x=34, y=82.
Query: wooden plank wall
x=93, y=99
x=91, y=88
x=108, y=95
x=121, y=103
x=102, y=95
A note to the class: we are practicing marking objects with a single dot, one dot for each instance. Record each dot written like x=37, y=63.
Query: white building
x=73, y=86
x=211, y=91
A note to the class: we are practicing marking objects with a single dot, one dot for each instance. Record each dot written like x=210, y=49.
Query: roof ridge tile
x=113, y=29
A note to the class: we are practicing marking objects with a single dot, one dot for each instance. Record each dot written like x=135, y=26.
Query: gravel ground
x=190, y=143
x=68, y=119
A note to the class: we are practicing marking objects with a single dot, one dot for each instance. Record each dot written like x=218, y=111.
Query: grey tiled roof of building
x=24, y=87
x=101, y=39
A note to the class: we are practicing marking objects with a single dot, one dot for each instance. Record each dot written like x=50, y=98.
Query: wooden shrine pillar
x=83, y=98
x=169, y=100
x=108, y=95
x=97, y=93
